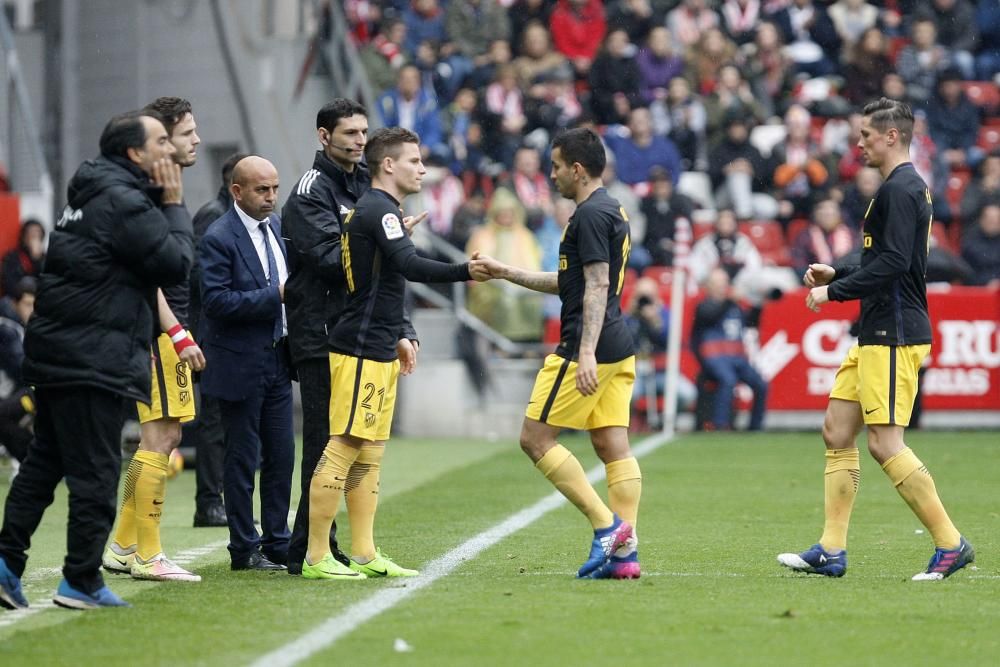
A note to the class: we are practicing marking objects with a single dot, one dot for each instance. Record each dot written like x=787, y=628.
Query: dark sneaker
x=817, y=560
x=605, y=542
x=11, y=595
x=71, y=598
x=946, y=562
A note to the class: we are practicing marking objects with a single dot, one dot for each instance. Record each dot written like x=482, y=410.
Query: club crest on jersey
x=393, y=230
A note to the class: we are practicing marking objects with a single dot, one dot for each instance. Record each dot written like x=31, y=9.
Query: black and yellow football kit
x=378, y=258
x=172, y=395
x=895, y=334
x=597, y=232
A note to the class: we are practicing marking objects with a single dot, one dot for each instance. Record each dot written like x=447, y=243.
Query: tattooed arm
x=539, y=281
x=595, y=303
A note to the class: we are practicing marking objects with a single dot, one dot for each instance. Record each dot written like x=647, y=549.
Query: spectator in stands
x=648, y=319
x=707, y=57
x=717, y=342
x=614, y=79
x=552, y=104
x=385, y=54
x=637, y=150
x=441, y=195
x=981, y=247
x=577, y=28
x=529, y=183
x=769, y=69
x=925, y=156
x=799, y=175
x=514, y=312
x=424, y=21
x=630, y=201
x=414, y=107
x=867, y=65
x=825, y=240
x=658, y=64
x=636, y=17
x=851, y=161
x=536, y=57
x=812, y=39
x=895, y=88
x=982, y=191
x=954, y=122
x=26, y=259
x=497, y=56
x=503, y=115
x=920, y=61
x=957, y=30
x=524, y=13
x=690, y=20
x=17, y=406
x=473, y=25
x=740, y=174
x=443, y=74
x=858, y=195
x=730, y=98
x=662, y=207
x=740, y=19
x=732, y=250
x=456, y=123
x=683, y=119
x=988, y=57
x=852, y=19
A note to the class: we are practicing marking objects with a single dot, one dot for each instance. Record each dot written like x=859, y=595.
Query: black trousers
x=314, y=385
x=77, y=437
x=15, y=433
x=207, y=437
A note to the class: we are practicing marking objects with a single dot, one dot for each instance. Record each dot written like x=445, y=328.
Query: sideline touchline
x=359, y=613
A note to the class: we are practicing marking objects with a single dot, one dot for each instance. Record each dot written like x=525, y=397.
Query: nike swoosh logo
x=868, y=412
x=379, y=572
x=118, y=560
x=157, y=502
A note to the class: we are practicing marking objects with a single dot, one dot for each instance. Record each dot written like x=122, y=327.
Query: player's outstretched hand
x=167, y=174
x=817, y=297
x=411, y=221
x=818, y=274
x=193, y=357
x=407, y=351
x=483, y=267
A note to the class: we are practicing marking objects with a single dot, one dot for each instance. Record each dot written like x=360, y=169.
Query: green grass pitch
x=716, y=509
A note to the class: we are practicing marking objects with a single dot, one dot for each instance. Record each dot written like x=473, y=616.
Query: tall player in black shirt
x=368, y=344
x=587, y=383
x=877, y=382
x=136, y=548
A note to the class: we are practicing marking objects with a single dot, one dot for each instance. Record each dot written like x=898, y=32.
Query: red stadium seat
x=983, y=94
x=795, y=228
x=989, y=137
x=765, y=234
x=940, y=235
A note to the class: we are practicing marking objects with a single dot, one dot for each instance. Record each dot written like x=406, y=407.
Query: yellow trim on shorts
x=556, y=401
x=362, y=396
x=171, y=395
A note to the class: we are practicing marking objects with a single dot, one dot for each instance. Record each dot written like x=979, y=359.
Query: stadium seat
x=795, y=228
x=958, y=181
x=765, y=234
x=697, y=186
x=765, y=137
x=989, y=137
x=984, y=94
x=551, y=332
x=940, y=235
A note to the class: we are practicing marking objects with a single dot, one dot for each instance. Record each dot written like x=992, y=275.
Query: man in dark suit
x=243, y=271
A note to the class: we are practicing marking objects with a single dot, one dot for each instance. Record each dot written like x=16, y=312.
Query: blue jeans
x=727, y=371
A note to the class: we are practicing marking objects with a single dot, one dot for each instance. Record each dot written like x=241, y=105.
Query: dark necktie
x=272, y=273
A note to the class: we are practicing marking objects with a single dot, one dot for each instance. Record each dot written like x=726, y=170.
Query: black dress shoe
x=213, y=516
x=257, y=561
x=279, y=557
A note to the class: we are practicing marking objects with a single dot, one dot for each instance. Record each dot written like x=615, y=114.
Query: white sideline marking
x=336, y=627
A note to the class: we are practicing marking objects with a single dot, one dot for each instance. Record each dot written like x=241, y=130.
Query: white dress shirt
x=257, y=238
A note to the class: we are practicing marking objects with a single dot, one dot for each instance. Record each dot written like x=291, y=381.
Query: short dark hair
x=582, y=145
x=886, y=113
x=386, y=142
x=332, y=112
x=169, y=110
x=229, y=165
x=26, y=285
x=123, y=132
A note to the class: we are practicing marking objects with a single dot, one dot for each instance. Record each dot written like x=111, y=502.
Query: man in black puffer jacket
x=123, y=234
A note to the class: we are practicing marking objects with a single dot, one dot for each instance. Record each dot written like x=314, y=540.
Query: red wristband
x=180, y=338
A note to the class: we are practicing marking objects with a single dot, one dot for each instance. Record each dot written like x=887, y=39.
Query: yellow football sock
x=624, y=488
x=125, y=534
x=361, y=491
x=915, y=484
x=150, y=489
x=564, y=471
x=843, y=474
x=325, y=493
